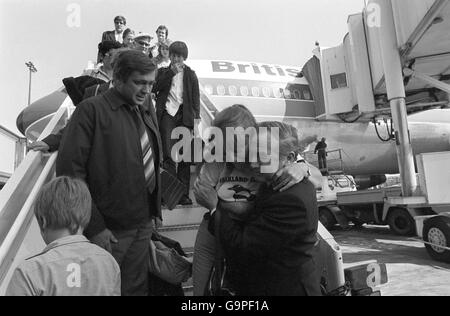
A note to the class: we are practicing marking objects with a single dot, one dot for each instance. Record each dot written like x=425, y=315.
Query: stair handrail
x=207, y=107
x=18, y=195
x=20, y=144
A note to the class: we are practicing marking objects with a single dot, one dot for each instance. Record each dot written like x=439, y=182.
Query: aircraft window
x=266, y=92
x=287, y=94
x=232, y=90
x=339, y=81
x=244, y=91
x=277, y=92
x=255, y=92
x=297, y=95
x=209, y=89
x=221, y=90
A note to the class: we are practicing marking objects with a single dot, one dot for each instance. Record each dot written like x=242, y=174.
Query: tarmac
x=411, y=272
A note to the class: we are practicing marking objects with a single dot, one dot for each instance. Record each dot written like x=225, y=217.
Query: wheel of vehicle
x=327, y=218
x=437, y=231
x=401, y=222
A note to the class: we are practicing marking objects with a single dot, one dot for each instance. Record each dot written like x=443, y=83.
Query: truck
x=426, y=214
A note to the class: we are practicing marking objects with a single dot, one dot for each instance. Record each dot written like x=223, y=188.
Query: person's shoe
x=185, y=200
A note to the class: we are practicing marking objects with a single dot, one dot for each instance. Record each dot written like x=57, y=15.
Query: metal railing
x=335, y=162
x=207, y=108
x=19, y=194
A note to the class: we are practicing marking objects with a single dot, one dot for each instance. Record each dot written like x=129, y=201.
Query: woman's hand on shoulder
x=289, y=176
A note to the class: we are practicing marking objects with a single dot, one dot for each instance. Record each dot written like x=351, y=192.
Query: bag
x=218, y=284
x=168, y=261
x=172, y=189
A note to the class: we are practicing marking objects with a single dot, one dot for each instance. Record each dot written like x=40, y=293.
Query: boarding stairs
x=19, y=233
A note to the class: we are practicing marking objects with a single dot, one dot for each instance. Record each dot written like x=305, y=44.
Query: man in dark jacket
x=120, y=24
x=177, y=104
x=112, y=143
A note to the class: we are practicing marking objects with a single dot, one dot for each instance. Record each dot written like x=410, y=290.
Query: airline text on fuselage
x=252, y=68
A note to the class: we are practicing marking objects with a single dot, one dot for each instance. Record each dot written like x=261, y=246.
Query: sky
x=61, y=36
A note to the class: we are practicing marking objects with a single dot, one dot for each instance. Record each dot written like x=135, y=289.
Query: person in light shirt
x=142, y=43
x=104, y=69
x=162, y=60
x=177, y=104
x=70, y=265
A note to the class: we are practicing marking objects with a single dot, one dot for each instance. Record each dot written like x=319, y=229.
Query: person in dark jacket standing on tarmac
x=321, y=150
x=177, y=104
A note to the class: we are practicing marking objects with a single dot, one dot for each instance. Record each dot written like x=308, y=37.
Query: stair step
x=186, y=238
x=174, y=228
x=184, y=216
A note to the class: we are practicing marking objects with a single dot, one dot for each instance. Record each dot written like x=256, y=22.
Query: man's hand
x=289, y=176
x=158, y=223
x=39, y=146
x=104, y=240
x=176, y=68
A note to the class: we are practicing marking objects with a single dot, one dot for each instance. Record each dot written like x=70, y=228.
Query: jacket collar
x=186, y=68
x=75, y=239
x=116, y=100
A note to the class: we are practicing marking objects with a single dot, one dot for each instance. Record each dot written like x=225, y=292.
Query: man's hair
x=179, y=48
x=288, y=137
x=163, y=27
x=116, y=55
x=130, y=61
x=126, y=32
x=106, y=46
x=63, y=203
x=120, y=18
x=234, y=116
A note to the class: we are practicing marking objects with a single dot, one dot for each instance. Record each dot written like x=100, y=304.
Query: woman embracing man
x=268, y=221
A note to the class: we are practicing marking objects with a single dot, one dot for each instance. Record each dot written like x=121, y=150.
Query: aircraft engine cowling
x=366, y=182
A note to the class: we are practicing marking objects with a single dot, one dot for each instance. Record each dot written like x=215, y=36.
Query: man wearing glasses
x=142, y=43
x=119, y=26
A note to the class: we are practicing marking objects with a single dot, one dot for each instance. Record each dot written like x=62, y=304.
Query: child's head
x=63, y=205
x=178, y=52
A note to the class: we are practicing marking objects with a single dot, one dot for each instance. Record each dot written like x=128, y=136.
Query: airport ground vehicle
x=426, y=214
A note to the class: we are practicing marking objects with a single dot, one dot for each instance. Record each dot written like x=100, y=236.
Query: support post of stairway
x=396, y=94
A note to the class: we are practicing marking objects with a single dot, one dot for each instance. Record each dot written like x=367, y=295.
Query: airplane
x=281, y=93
